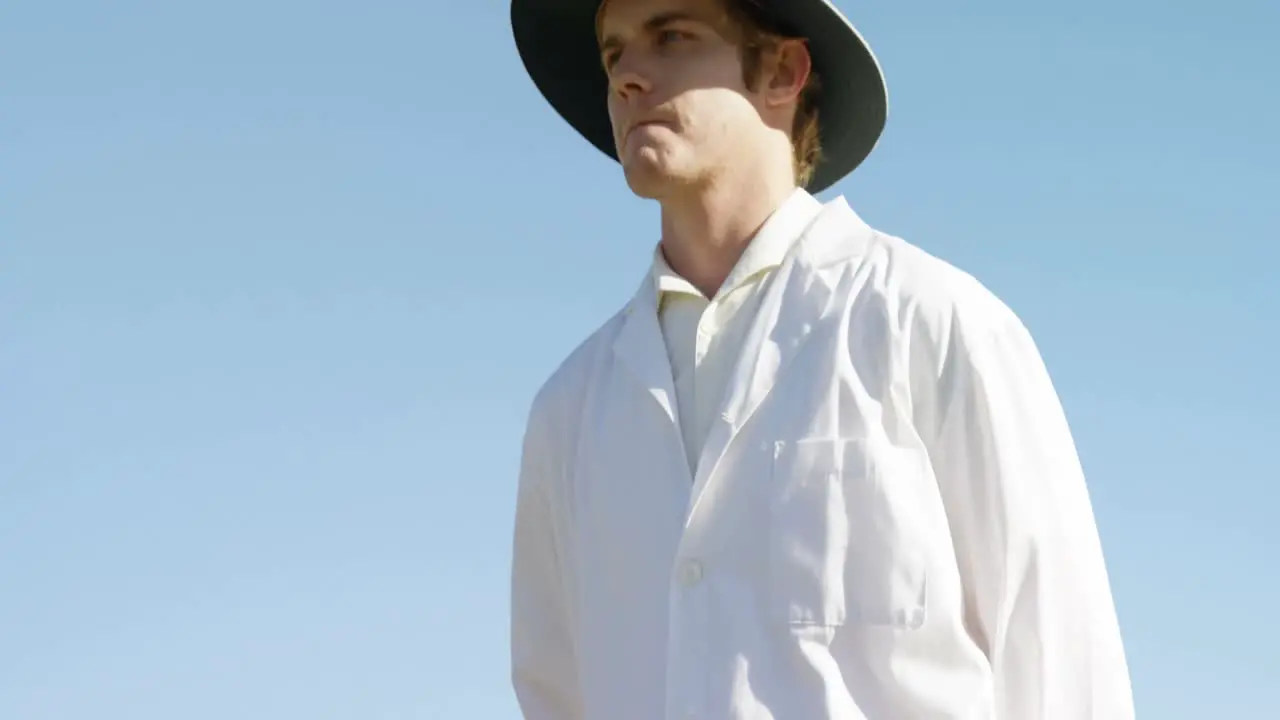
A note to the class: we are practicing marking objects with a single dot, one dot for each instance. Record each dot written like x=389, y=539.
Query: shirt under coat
x=885, y=517
x=704, y=336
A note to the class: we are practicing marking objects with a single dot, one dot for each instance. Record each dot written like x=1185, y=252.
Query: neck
x=705, y=231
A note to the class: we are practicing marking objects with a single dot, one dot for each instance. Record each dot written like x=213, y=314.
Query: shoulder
x=935, y=306
x=555, y=414
x=954, y=334
x=947, y=336
x=881, y=269
x=932, y=292
x=565, y=387
x=940, y=321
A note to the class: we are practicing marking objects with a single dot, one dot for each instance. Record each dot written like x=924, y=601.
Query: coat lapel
x=640, y=347
x=797, y=299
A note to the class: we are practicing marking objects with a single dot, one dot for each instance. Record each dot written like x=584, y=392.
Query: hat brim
x=557, y=44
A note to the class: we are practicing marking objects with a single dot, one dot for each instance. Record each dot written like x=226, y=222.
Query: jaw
x=654, y=169
x=647, y=181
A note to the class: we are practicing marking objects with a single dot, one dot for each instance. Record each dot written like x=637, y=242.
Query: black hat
x=556, y=40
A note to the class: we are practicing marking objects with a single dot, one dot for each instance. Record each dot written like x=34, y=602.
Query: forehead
x=619, y=18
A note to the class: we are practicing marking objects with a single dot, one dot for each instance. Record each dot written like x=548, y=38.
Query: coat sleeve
x=1037, y=596
x=543, y=665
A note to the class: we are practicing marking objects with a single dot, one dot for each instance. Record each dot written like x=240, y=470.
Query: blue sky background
x=278, y=280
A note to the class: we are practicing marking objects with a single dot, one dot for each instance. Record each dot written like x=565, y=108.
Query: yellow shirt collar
x=765, y=252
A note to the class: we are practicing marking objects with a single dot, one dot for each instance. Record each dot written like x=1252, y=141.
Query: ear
x=790, y=65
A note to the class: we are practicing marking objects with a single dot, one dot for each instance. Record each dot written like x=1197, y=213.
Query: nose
x=628, y=81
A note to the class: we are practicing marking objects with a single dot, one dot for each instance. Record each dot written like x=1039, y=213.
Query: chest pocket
x=840, y=547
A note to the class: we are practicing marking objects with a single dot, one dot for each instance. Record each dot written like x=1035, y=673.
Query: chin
x=646, y=185
x=652, y=178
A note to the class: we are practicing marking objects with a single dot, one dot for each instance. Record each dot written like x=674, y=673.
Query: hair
x=756, y=35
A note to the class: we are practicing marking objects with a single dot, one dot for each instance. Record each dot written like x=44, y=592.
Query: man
x=808, y=471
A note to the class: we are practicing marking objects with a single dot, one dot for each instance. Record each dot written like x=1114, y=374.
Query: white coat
x=888, y=519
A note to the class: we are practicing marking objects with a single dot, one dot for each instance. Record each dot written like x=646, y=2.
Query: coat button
x=690, y=573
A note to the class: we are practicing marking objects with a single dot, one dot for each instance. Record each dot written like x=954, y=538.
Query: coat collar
x=765, y=252
x=640, y=347
x=797, y=298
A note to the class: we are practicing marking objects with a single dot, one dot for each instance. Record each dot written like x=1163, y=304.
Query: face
x=680, y=109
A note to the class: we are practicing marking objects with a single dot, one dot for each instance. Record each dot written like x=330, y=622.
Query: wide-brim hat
x=556, y=40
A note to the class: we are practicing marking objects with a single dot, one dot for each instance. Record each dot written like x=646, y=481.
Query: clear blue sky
x=278, y=280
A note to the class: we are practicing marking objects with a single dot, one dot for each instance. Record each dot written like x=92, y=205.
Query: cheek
x=614, y=115
x=721, y=120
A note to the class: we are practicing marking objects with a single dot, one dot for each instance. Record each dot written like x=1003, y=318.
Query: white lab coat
x=888, y=520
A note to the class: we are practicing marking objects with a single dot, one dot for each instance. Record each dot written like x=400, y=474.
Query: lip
x=645, y=123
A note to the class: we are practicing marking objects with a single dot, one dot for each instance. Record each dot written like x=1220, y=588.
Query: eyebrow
x=653, y=24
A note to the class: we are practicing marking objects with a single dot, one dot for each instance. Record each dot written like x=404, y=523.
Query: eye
x=668, y=36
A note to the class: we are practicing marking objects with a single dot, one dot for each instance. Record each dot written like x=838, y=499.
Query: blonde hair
x=757, y=36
